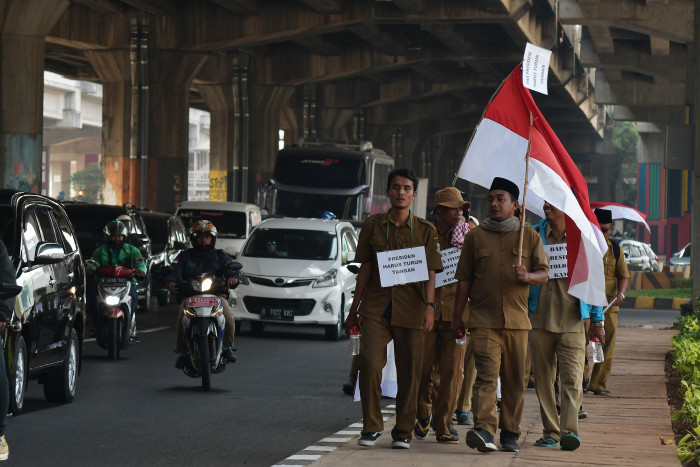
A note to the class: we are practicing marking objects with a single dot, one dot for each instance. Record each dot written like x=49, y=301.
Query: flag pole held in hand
x=522, y=208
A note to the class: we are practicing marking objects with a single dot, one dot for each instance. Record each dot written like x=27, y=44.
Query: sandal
x=602, y=392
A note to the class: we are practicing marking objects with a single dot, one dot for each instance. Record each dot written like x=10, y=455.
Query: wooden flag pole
x=522, y=208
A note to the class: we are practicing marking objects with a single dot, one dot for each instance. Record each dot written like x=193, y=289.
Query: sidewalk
x=625, y=429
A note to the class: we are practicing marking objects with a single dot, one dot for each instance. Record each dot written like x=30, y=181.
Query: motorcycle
x=203, y=325
x=114, y=306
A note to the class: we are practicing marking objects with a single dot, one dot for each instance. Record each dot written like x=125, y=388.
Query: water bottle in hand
x=462, y=339
x=597, y=346
x=355, y=340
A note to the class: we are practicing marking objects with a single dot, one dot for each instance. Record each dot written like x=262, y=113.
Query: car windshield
x=291, y=244
x=229, y=224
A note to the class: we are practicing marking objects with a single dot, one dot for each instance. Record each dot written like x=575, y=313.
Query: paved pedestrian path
x=626, y=429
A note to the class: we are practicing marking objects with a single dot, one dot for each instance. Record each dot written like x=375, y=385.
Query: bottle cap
x=354, y=331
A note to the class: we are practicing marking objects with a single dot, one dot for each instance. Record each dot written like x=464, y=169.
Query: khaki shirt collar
x=549, y=231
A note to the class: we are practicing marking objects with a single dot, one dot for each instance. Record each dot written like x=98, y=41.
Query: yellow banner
x=217, y=185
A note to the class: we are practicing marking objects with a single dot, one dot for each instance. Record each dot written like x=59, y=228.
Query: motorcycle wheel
x=113, y=339
x=204, y=367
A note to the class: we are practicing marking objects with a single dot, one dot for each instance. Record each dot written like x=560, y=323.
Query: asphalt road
x=282, y=395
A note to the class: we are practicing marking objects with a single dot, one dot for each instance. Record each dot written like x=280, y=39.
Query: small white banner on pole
x=450, y=258
x=557, y=255
x=536, y=68
x=397, y=267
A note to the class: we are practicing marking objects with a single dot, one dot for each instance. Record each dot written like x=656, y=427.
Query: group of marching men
x=516, y=316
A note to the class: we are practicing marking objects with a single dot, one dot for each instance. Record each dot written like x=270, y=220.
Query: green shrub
x=686, y=353
x=689, y=446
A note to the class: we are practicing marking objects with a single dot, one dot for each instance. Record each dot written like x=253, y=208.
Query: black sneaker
x=481, y=440
x=181, y=361
x=420, y=431
x=228, y=354
x=582, y=413
x=369, y=439
x=509, y=441
x=401, y=443
x=447, y=439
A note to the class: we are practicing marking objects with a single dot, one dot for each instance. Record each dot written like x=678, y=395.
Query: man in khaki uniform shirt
x=439, y=346
x=402, y=312
x=558, y=339
x=497, y=286
x=616, y=280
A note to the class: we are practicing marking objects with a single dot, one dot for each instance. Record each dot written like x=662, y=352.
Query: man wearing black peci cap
x=489, y=275
x=616, y=281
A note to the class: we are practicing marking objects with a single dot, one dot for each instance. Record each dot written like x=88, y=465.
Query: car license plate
x=202, y=301
x=282, y=314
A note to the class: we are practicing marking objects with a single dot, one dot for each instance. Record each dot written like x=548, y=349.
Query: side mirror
x=236, y=266
x=353, y=268
x=9, y=290
x=48, y=253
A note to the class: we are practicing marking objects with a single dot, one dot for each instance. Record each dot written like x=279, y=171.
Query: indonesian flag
x=498, y=149
x=620, y=211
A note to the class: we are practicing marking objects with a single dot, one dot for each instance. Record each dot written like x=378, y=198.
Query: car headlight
x=111, y=300
x=329, y=279
x=243, y=279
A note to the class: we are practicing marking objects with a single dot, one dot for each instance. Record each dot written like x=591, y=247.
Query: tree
x=89, y=182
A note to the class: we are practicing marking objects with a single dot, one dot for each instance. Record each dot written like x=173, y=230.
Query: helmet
x=201, y=227
x=114, y=227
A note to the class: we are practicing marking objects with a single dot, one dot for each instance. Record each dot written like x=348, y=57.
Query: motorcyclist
x=202, y=258
x=116, y=252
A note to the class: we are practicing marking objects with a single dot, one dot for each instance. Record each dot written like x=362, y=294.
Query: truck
x=311, y=178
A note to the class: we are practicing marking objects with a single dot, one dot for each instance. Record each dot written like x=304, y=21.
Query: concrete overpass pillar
x=25, y=24
x=267, y=104
x=223, y=155
x=171, y=73
x=121, y=174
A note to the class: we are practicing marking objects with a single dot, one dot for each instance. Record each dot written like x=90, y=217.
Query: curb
x=654, y=302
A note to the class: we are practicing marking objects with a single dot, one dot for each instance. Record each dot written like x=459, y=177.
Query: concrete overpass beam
x=635, y=92
x=25, y=24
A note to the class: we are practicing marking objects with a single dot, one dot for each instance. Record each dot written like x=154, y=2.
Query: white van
x=233, y=221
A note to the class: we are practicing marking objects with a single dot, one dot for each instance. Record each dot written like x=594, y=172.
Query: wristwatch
x=621, y=295
x=431, y=304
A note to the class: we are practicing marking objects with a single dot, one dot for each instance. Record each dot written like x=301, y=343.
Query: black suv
x=45, y=338
x=89, y=221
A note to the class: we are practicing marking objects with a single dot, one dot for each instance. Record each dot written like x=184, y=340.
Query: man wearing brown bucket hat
x=442, y=357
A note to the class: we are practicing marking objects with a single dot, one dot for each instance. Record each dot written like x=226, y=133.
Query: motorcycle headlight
x=206, y=284
x=329, y=279
x=112, y=300
x=243, y=279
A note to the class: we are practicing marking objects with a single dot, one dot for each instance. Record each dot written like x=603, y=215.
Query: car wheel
x=61, y=382
x=145, y=302
x=17, y=377
x=334, y=331
x=257, y=327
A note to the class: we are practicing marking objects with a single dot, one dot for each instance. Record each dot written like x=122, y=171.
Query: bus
x=311, y=178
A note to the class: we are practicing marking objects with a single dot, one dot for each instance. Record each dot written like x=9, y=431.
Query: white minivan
x=234, y=221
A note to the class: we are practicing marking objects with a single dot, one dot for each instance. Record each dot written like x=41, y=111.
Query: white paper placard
x=536, y=68
x=404, y=266
x=450, y=258
x=556, y=255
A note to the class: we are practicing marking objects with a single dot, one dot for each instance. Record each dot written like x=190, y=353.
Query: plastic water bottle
x=597, y=347
x=355, y=340
x=462, y=339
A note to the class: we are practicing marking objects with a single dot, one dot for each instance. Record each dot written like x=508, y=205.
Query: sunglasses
x=605, y=230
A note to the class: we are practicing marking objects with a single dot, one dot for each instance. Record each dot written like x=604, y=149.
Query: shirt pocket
x=525, y=257
x=482, y=258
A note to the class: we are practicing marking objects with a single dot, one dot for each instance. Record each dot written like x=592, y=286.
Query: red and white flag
x=620, y=211
x=498, y=149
